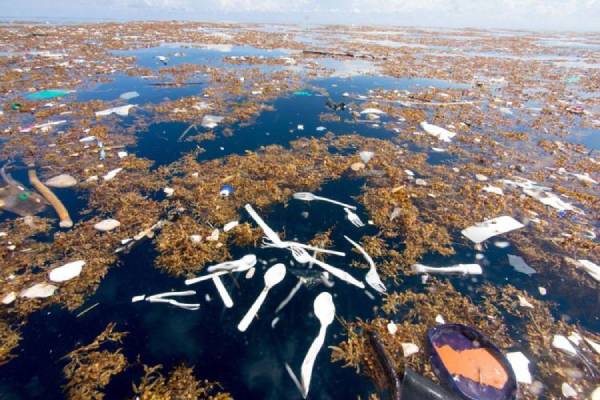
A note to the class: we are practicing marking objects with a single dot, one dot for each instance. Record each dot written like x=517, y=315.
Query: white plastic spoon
x=325, y=312
x=307, y=196
x=272, y=277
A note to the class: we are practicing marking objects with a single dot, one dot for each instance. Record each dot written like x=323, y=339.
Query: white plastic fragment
x=568, y=391
x=464, y=269
x=490, y=228
x=366, y=156
x=111, y=174
x=129, y=95
x=61, y=181
x=392, y=328
x=593, y=345
x=523, y=302
x=520, y=366
x=493, y=189
x=9, y=298
x=501, y=244
x=38, y=291
x=214, y=236
x=542, y=290
x=437, y=131
x=439, y=319
x=136, y=299
x=67, y=271
x=519, y=264
x=592, y=269
x=375, y=111
x=211, y=121
x=481, y=177
x=408, y=349
x=230, y=225
x=420, y=182
x=169, y=192
x=595, y=394
x=562, y=343
x=122, y=154
x=250, y=273
x=196, y=239
x=123, y=111
x=107, y=225
x=300, y=127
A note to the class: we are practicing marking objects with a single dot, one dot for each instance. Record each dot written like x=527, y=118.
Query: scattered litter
x=442, y=134
x=357, y=166
x=501, y=244
x=493, y=189
x=372, y=278
x=61, y=211
x=392, y=328
x=353, y=218
x=122, y=111
x=524, y=303
x=519, y=264
x=214, y=236
x=490, y=228
x=136, y=299
x=230, y=225
x=542, y=291
x=562, y=343
x=169, y=192
x=375, y=111
x=38, y=291
x=366, y=156
x=226, y=191
x=520, y=366
x=107, y=225
x=48, y=94
x=408, y=349
x=129, y=95
x=66, y=272
x=420, y=182
x=272, y=277
x=166, y=298
x=211, y=121
x=481, y=178
x=306, y=196
x=111, y=174
x=568, y=391
x=9, y=298
x=463, y=269
x=61, y=181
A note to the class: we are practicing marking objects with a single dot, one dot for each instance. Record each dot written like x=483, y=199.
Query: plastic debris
x=61, y=181
x=136, y=299
x=408, y=349
x=372, y=278
x=9, y=298
x=48, y=94
x=462, y=269
x=122, y=111
x=166, y=298
x=230, y=225
x=490, y=228
x=107, y=225
x=272, y=277
x=442, y=134
x=226, y=191
x=169, y=192
x=519, y=264
x=562, y=343
x=129, y=95
x=211, y=121
x=324, y=310
x=523, y=302
x=111, y=174
x=392, y=328
x=568, y=391
x=38, y=291
x=307, y=196
x=66, y=272
x=520, y=366
x=61, y=211
x=366, y=156
x=353, y=218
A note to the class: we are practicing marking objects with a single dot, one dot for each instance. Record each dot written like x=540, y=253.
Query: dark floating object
x=335, y=106
x=14, y=197
x=412, y=386
x=468, y=363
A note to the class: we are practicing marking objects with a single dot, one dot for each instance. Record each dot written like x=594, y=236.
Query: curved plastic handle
x=247, y=320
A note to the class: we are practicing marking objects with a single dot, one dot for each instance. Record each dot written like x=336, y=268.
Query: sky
x=512, y=14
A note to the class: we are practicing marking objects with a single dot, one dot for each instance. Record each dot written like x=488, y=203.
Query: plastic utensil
x=241, y=265
x=464, y=269
x=222, y=292
x=354, y=219
x=325, y=311
x=303, y=257
x=165, y=298
x=270, y=233
x=307, y=196
x=287, y=244
x=372, y=276
x=272, y=277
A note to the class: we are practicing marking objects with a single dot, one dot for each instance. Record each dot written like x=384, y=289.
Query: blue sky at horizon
x=511, y=14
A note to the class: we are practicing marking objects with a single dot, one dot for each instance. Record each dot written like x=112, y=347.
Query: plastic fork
x=307, y=196
x=353, y=218
x=372, y=276
x=303, y=257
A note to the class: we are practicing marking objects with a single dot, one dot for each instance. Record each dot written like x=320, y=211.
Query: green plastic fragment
x=48, y=94
x=302, y=93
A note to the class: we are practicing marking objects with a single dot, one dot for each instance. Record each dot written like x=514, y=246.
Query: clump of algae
x=179, y=385
x=90, y=369
x=9, y=340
